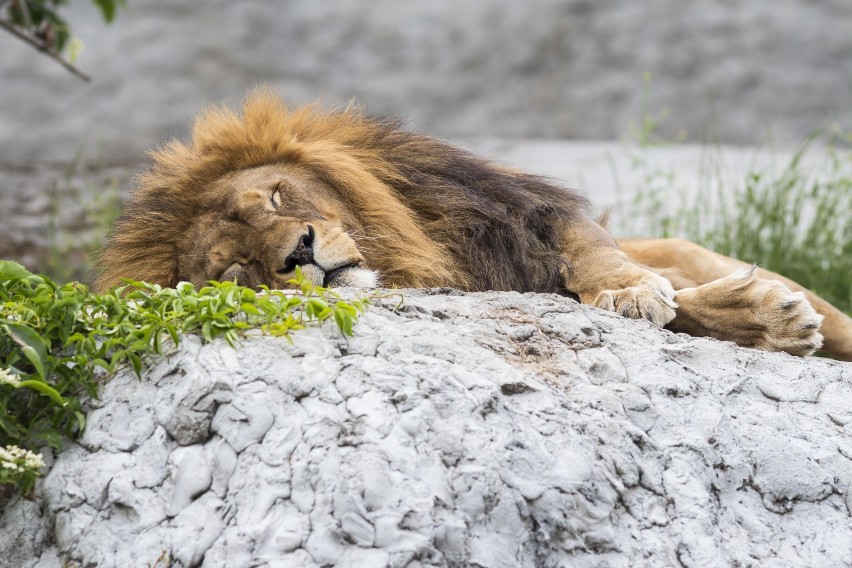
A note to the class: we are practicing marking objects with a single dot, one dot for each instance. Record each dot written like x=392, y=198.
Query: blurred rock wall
x=538, y=68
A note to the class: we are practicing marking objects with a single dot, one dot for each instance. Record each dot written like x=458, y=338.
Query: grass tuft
x=795, y=220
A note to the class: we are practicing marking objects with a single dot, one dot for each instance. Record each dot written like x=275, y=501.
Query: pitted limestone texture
x=486, y=429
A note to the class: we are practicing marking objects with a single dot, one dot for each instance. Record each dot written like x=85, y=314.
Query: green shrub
x=58, y=342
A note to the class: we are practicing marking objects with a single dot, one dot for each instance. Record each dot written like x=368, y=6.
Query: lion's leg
x=603, y=276
x=712, y=305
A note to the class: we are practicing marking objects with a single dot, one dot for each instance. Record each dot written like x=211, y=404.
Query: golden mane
x=342, y=147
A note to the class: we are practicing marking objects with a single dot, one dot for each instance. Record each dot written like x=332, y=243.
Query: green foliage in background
x=794, y=222
x=41, y=24
x=43, y=19
x=57, y=342
x=794, y=219
x=83, y=204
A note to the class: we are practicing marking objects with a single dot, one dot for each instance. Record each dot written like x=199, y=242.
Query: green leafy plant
x=40, y=23
x=58, y=342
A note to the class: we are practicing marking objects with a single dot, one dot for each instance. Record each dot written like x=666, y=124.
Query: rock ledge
x=492, y=429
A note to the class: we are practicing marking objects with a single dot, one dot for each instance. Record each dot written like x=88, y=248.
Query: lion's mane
x=435, y=215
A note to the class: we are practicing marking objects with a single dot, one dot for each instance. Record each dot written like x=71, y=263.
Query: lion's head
x=261, y=223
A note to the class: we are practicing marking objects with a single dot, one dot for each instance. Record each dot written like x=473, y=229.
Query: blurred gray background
x=502, y=69
x=532, y=68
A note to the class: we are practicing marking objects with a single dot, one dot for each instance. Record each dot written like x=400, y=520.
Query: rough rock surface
x=491, y=429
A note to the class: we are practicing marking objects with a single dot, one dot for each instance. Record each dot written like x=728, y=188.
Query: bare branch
x=44, y=49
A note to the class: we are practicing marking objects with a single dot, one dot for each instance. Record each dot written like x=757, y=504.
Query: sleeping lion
x=356, y=201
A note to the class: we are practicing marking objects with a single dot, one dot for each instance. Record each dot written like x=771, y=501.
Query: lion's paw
x=653, y=300
x=800, y=333
x=763, y=314
x=790, y=322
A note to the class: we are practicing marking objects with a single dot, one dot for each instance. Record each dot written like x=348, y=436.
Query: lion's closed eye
x=276, y=197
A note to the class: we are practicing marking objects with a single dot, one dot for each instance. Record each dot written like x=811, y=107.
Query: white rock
x=574, y=437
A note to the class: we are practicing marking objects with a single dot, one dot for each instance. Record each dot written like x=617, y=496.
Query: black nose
x=303, y=253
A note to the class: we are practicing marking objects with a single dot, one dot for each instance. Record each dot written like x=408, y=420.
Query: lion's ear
x=603, y=218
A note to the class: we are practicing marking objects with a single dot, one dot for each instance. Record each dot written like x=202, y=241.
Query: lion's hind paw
x=793, y=324
x=752, y=312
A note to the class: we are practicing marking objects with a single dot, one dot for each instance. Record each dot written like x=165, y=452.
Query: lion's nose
x=303, y=253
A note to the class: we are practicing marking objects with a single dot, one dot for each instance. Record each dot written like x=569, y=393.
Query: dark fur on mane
x=503, y=227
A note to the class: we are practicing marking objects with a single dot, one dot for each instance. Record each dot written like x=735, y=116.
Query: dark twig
x=44, y=49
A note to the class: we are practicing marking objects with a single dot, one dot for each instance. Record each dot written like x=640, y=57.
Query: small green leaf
x=12, y=271
x=173, y=333
x=343, y=306
x=75, y=48
x=205, y=331
x=8, y=425
x=344, y=321
x=136, y=362
x=315, y=306
x=250, y=309
x=44, y=388
x=52, y=438
x=107, y=8
x=81, y=420
x=158, y=343
x=32, y=346
x=231, y=338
